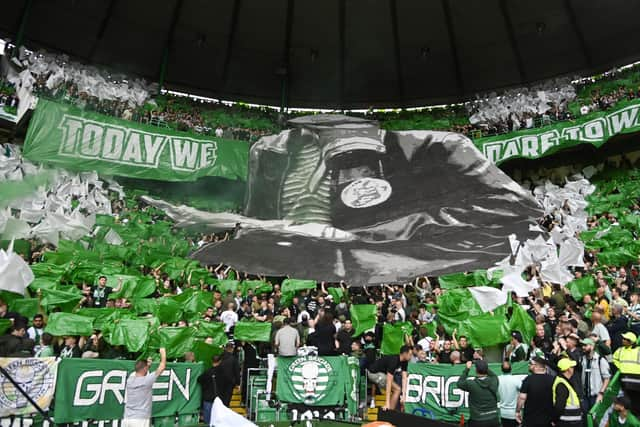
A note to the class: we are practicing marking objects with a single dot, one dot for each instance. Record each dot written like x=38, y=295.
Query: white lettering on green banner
x=66, y=136
x=432, y=390
x=593, y=129
x=95, y=389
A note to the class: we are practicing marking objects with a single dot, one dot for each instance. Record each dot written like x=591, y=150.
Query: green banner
x=316, y=381
x=432, y=390
x=93, y=389
x=66, y=136
x=595, y=128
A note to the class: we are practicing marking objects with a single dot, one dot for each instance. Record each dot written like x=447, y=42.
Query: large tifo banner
x=94, y=389
x=318, y=381
x=432, y=390
x=36, y=376
x=593, y=129
x=66, y=136
x=339, y=198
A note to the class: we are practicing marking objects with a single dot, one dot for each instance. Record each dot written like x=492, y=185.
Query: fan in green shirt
x=621, y=415
x=46, y=349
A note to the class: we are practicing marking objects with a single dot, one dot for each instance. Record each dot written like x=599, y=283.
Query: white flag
x=515, y=283
x=15, y=273
x=488, y=298
x=221, y=416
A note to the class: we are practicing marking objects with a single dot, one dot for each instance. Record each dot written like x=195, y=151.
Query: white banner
x=36, y=376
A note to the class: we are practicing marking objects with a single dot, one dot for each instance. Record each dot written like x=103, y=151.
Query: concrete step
x=241, y=411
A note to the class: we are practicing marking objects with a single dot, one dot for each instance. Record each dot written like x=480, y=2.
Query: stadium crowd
x=584, y=340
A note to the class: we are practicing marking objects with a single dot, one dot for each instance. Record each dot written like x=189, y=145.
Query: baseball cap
x=565, y=364
x=630, y=336
x=587, y=341
x=517, y=335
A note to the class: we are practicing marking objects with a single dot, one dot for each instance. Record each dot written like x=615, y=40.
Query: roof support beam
x=342, y=11
x=393, y=9
x=286, y=52
x=233, y=27
x=102, y=28
x=579, y=35
x=453, y=45
x=22, y=25
x=504, y=8
x=168, y=42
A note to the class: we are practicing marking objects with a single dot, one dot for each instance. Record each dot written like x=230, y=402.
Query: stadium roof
x=336, y=53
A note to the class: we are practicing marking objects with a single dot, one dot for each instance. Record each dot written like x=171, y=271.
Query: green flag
x=102, y=316
x=486, y=329
x=145, y=305
x=363, y=317
x=289, y=288
x=28, y=307
x=204, y=352
x=132, y=333
x=393, y=337
x=521, y=321
x=193, y=301
x=63, y=297
x=60, y=324
x=337, y=293
x=252, y=331
x=181, y=343
x=213, y=330
x=225, y=285
x=464, y=280
x=133, y=287
x=581, y=287
x=168, y=310
x=257, y=286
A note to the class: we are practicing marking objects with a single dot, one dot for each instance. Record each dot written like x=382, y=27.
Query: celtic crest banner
x=314, y=381
x=36, y=376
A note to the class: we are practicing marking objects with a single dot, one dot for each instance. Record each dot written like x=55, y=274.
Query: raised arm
x=163, y=361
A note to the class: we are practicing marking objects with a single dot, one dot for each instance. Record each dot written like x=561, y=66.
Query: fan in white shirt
x=229, y=317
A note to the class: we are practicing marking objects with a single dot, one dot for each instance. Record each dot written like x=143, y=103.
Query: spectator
x=595, y=374
x=516, y=351
x=45, y=349
x=627, y=360
x=566, y=403
x=36, y=330
x=382, y=372
x=535, y=403
x=70, y=348
x=508, y=390
x=622, y=416
x=229, y=317
x=17, y=343
x=230, y=369
x=466, y=351
x=483, y=394
x=99, y=294
x=287, y=339
x=211, y=381
x=324, y=336
x=344, y=337
x=139, y=392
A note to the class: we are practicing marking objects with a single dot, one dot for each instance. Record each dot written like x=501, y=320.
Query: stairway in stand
x=372, y=413
x=235, y=403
